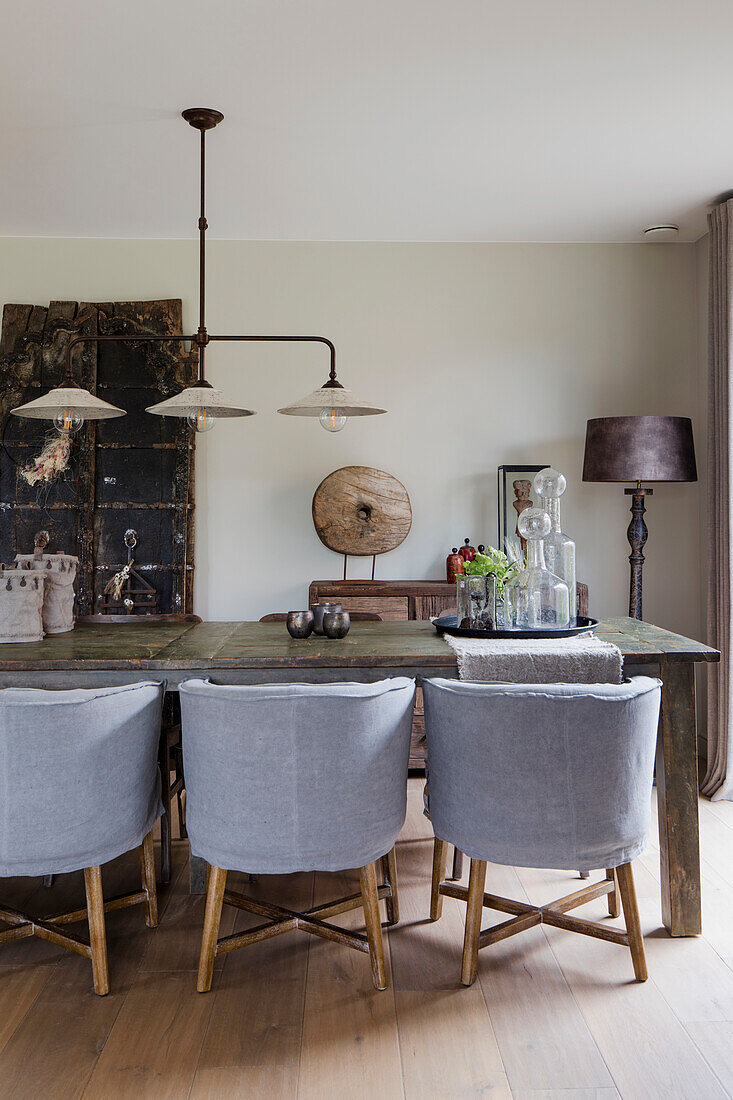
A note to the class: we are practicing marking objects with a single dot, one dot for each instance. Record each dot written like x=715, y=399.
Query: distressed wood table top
x=161, y=646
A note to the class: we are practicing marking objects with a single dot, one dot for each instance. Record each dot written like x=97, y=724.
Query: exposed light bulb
x=333, y=420
x=201, y=420
x=67, y=422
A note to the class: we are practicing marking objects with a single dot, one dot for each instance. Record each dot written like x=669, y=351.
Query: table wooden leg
x=197, y=875
x=677, y=798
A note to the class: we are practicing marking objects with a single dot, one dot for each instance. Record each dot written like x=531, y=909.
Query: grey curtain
x=719, y=779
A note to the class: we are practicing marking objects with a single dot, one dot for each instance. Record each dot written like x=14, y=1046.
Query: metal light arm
x=202, y=119
x=332, y=382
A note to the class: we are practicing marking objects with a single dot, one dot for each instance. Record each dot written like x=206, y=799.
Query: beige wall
x=483, y=354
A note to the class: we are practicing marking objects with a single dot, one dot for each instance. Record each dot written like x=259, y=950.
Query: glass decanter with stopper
x=550, y=485
x=536, y=598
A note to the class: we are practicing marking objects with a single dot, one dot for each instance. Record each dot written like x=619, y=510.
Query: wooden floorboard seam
x=569, y=988
x=707, y=1061
x=211, y=993
x=302, y=1014
x=168, y=895
x=310, y=943
x=390, y=991
x=491, y=1025
x=582, y=1013
x=30, y=1006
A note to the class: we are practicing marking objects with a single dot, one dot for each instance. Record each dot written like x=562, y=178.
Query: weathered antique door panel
x=135, y=471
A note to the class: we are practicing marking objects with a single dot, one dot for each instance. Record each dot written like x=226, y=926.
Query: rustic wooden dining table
x=250, y=653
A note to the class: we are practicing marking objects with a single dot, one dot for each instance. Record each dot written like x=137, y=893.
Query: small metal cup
x=319, y=610
x=300, y=624
x=336, y=624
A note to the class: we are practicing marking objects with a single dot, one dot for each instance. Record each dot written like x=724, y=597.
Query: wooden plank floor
x=553, y=1015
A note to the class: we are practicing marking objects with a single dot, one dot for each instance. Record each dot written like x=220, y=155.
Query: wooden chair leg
x=614, y=898
x=182, y=830
x=457, y=870
x=474, y=909
x=147, y=874
x=440, y=850
x=165, y=821
x=631, y=916
x=214, y=901
x=370, y=902
x=389, y=871
x=97, y=936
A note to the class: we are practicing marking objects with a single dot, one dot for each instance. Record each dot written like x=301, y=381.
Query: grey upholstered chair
x=548, y=775
x=80, y=786
x=297, y=777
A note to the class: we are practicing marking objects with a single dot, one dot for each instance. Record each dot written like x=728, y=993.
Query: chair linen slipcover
x=79, y=782
x=551, y=775
x=295, y=777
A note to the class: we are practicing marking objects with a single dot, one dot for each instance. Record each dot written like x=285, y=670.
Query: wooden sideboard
x=400, y=601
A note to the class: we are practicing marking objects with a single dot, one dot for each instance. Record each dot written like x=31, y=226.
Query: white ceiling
x=414, y=120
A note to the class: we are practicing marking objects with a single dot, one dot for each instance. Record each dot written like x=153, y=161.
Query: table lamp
x=639, y=449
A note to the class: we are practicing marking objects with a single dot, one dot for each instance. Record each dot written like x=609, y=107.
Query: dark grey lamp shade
x=639, y=448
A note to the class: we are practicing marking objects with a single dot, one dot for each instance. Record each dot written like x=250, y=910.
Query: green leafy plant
x=492, y=561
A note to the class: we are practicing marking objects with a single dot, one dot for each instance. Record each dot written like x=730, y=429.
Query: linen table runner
x=584, y=659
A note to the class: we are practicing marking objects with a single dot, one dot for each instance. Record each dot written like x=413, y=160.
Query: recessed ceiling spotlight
x=666, y=232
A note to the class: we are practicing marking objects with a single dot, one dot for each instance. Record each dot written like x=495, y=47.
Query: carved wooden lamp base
x=637, y=535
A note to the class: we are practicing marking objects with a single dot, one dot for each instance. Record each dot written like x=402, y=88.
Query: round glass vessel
x=550, y=485
x=536, y=597
x=476, y=601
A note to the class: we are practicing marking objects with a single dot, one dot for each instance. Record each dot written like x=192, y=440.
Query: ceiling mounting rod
x=202, y=119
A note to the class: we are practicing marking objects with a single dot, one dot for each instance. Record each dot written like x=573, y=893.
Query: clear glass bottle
x=550, y=485
x=476, y=601
x=536, y=597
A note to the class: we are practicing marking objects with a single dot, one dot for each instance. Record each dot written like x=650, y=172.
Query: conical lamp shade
x=330, y=398
x=79, y=402
x=190, y=400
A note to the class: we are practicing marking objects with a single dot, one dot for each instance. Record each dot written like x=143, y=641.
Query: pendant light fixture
x=332, y=404
x=68, y=406
x=201, y=405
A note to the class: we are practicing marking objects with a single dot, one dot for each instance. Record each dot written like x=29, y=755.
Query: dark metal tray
x=446, y=624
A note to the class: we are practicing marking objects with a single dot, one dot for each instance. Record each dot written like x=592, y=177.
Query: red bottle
x=453, y=565
x=467, y=551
